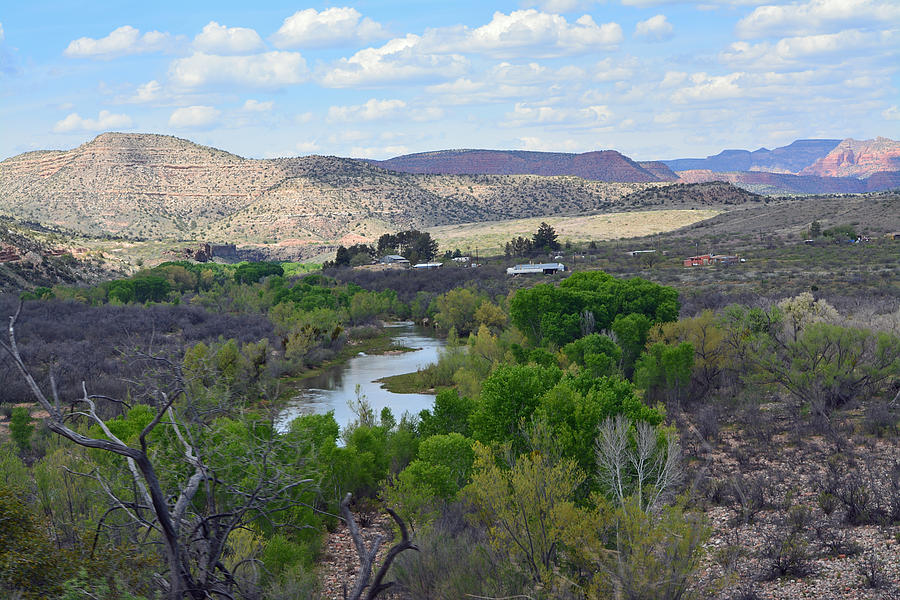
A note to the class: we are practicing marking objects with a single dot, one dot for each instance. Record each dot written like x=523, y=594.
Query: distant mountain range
x=156, y=187
x=802, y=167
x=161, y=187
x=605, y=165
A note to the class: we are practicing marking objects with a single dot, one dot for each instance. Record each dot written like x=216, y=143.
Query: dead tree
x=367, y=556
x=193, y=529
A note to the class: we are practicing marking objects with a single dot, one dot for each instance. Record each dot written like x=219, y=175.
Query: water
x=332, y=389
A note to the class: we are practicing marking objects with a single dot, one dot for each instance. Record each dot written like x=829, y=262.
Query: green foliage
x=547, y=313
x=573, y=410
x=653, y=557
x=664, y=372
x=545, y=238
x=841, y=232
x=253, y=272
x=21, y=428
x=508, y=399
x=597, y=353
x=30, y=564
x=528, y=506
x=631, y=334
x=451, y=414
x=457, y=309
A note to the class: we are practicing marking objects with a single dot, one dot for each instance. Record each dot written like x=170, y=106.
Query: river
x=334, y=388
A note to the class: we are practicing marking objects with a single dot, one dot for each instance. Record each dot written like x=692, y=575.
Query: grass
x=405, y=383
x=297, y=268
x=491, y=236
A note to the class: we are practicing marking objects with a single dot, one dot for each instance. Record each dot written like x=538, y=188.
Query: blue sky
x=650, y=78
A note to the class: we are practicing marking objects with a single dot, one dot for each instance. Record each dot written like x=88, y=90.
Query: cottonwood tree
x=636, y=463
x=192, y=480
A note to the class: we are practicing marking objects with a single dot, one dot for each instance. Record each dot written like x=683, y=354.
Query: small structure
x=426, y=266
x=393, y=259
x=639, y=252
x=704, y=260
x=536, y=269
x=461, y=259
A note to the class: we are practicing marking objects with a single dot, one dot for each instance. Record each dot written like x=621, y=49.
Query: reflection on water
x=335, y=387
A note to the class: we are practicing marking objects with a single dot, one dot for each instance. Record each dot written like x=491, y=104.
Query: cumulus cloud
x=120, y=42
x=331, y=27
x=400, y=59
x=195, y=117
x=105, y=120
x=525, y=115
x=146, y=92
x=378, y=152
x=654, y=29
x=892, y=113
x=268, y=70
x=709, y=87
x=791, y=50
x=544, y=34
x=372, y=110
x=817, y=16
x=257, y=106
x=218, y=39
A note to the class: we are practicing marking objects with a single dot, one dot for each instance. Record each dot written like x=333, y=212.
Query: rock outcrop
x=855, y=158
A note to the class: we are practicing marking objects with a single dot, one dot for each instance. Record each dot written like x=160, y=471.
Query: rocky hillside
x=149, y=186
x=607, y=165
x=31, y=255
x=854, y=158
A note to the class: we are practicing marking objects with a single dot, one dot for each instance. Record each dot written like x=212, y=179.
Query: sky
x=654, y=79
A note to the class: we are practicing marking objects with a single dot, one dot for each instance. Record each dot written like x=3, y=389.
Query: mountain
x=787, y=159
x=854, y=158
x=783, y=183
x=149, y=186
x=606, y=165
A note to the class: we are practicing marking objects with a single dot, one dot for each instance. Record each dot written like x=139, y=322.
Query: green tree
x=664, y=371
x=545, y=238
x=508, y=399
x=815, y=229
x=21, y=428
x=527, y=504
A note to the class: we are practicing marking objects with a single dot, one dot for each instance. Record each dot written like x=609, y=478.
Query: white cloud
x=120, y=42
x=197, y=117
x=381, y=152
x=268, y=70
x=546, y=35
x=257, y=106
x=537, y=144
x=146, y=92
x=524, y=115
x=331, y=27
x=303, y=118
x=817, y=16
x=104, y=121
x=2, y=33
x=307, y=147
x=707, y=88
x=654, y=29
x=791, y=50
x=892, y=113
x=218, y=39
x=400, y=59
x=370, y=111
x=666, y=118
x=672, y=79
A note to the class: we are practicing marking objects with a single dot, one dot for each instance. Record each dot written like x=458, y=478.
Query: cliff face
x=854, y=158
x=606, y=165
